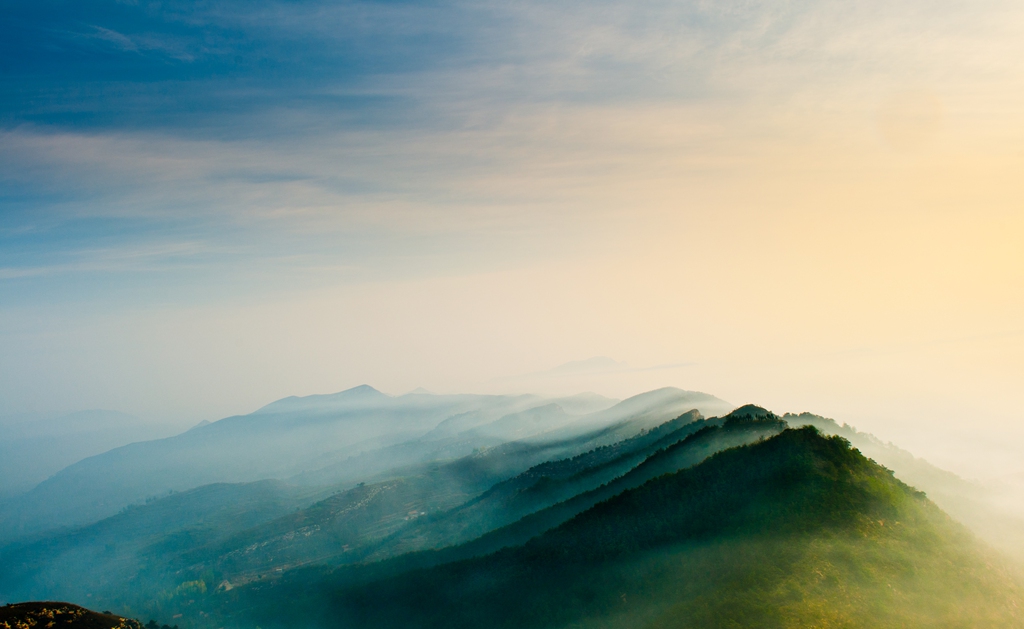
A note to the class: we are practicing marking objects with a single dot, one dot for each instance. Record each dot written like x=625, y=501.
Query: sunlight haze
x=810, y=206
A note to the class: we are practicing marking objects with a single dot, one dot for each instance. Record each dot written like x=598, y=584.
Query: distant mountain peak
x=363, y=390
x=753, y=411
x=670, y=393
x=359, y=395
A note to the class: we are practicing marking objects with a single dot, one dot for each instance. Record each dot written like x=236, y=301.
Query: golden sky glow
x=811, y=207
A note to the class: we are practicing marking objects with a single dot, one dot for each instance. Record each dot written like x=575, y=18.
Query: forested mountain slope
x=798, y=530
x=969, y=502
x=149, y=552
x=732, y=521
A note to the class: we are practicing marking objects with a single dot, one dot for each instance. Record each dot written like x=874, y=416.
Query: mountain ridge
x=314, y=435
x=211, y=549
x=809, y=505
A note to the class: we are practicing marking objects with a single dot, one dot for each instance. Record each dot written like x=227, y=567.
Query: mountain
x=548, y=494
x=531, y=430
x=150, y=548
x=343, y=438
x=829, y=522
x=484, y=424
x=362, y=396
x=968, y=502
x=646, y=410
x=283, y=439
x=797, y=530
x=53, y=615
x=548, y=503
x=34, y=448
x=124, y=552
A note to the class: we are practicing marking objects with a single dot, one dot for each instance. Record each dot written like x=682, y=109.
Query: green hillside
x=540, y=486
x=727, y=522
x=968, y=502
x=797, y=530
x=680, y=449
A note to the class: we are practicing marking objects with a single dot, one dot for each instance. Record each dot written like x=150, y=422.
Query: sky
x=809, y=205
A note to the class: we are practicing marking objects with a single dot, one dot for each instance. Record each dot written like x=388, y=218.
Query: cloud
x=381, y=135
x=128, y=257
x=207, y=205
x=113, y=37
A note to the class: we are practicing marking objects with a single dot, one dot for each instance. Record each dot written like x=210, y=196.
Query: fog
x=208, y=210
x=810, y=208
x=230, y=553
x=35, y=447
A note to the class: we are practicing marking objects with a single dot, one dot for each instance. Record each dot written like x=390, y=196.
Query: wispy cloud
x=113, y=37
x=127, y=258
x=362, y=131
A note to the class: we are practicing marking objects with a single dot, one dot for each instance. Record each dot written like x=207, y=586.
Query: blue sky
x=208, y=205
x=148, y=140
x=273, y=91
x=250, y=86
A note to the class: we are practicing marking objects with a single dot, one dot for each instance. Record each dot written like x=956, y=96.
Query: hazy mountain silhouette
x=348, y=526
x=32, y=449
x=342, y=438
x=447, y=525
